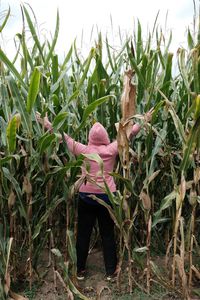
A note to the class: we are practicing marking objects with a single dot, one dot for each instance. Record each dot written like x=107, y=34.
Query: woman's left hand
x=45, y=121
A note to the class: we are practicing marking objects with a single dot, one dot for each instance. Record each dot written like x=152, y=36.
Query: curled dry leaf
x=193, y=197
x=182, y=188
x=11, y=199
x=182, y=274
x=196, y=175
x=17, y=296
x=27, y=187
x=128, y=96
x=125, y=127
x=7, y=283
x=146, y=201
x=101, y=286
x=18, y=119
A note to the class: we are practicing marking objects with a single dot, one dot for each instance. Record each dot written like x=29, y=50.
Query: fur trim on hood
x=98, y=135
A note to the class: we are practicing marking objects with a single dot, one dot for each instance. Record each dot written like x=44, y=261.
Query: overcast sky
x=79, y=16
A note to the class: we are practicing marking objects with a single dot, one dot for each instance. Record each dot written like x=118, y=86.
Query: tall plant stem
x=191, y=244
x=121, y=256
x=148, y=243
x=177, y=219
x=52, y=243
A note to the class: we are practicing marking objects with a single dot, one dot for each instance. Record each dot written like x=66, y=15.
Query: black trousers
x=87, y=215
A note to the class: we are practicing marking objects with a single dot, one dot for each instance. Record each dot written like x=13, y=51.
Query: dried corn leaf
x=196, y=175
x=11, y=199
x=146, y=201
x=27, y=187
x=197, y=273
x=182, y=274
x=101, y=286
x=125, y=128
x=123, y=146
x=182, y=188
x=7, y=283
x=17, y=296
x=128, y=96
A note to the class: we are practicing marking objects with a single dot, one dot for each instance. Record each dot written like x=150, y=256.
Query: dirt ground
x=95, y=286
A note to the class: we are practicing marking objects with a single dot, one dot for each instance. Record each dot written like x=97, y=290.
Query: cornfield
x=156, y=207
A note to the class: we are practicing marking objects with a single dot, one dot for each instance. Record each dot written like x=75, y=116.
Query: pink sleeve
x=74, y=147
x=113, y=147
x=135, y=129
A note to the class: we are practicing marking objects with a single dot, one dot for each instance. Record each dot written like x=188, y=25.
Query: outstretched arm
x=135, y=130
x=74, y=147
x=136, y=127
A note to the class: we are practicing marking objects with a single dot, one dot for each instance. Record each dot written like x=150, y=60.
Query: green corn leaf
x=8, y=158
x=26, y=53
x=6, y=108
x=67, y=58
x=95, y=157
x=190, y=40
x=80, y=83
x=166, y=202
x=178, y=125
x=139, y=44
x=33, y=89
x=126, y=181
x=12, y=68
x=135, y=67
x=197, y=107
x=183, y=69
x=55, y=86
x=45, y=141
x=161, y=58
x=14, y=182
x=5, y=20
x=190, y=145
x=109, y=55
x=49, y=211
x=19, y=102
x=59, y=120
x=90, y=108
x=71, y=245
x=155, y=22
x=160, y=139
x=168, y=74
x=55, y=71
x=33, y=31
x=195, y=66
x=11, y=134
x=78, y=294
x=55, y=38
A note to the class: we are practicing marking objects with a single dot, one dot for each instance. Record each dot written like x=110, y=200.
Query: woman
x=89, y=209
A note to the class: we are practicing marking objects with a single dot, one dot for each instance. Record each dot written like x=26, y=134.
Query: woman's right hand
x=45, y=121
x=148, y=115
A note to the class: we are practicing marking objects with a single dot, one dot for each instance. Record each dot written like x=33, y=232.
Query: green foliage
x=39, y=170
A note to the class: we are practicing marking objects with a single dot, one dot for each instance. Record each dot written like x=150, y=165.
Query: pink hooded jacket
x=99, y=143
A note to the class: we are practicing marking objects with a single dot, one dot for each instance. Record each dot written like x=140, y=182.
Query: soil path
x=94, y=284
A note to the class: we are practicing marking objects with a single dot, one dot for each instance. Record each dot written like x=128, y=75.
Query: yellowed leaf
x=146, y=201
x=182, y=188
x=128, y=96
x=17, y=296
x=11, y=199
x=7, y=283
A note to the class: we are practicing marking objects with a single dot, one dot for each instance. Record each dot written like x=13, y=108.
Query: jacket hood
x=98, y=135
